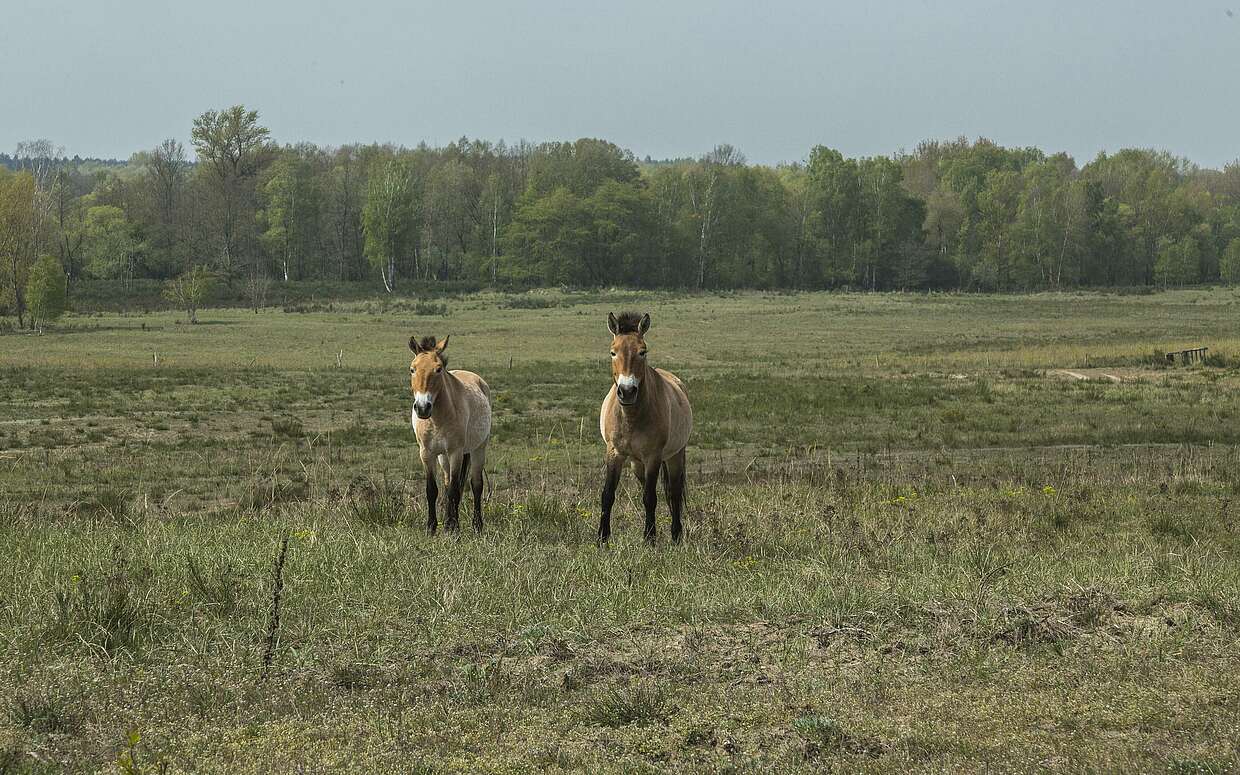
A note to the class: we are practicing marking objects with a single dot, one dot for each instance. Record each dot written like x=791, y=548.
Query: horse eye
x=613, y=353
x=642, y=353
x=439, y=369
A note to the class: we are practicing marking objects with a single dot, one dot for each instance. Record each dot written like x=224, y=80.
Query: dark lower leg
x=477, y=485
x=432, y=495
x=650, y=499
x=610, y=479
x=675, y=487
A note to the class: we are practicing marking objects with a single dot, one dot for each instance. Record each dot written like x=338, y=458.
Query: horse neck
x=652, y=385
x=449, y=397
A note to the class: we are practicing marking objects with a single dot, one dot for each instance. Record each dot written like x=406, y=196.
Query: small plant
x=1169, y=525
x=375, y=502
x=637, y=703
x=823, y=732
x=103, y=613
x=355, y=675
x=546, y=511
x=109, y=504
x=265, y=493
x=216, y=589
x=41, y=713
x=129, y=763
x=825, y=735
x=287, y=427
x=486, y=683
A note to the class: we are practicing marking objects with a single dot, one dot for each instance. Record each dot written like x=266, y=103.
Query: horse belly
x=478, y=428
x=478, y=422
x=680, y=421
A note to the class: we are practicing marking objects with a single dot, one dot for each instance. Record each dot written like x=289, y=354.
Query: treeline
x=957, y=214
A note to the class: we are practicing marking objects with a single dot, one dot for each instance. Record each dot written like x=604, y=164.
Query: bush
x=45, y=292
x=190, y=290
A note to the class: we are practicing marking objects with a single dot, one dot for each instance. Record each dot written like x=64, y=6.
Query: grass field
x=914, y=542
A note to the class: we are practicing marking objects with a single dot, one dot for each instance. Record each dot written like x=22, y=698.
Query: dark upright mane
x=628, y=323
x=426, y=344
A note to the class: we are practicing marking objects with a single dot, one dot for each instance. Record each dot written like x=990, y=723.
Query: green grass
x=912, y=544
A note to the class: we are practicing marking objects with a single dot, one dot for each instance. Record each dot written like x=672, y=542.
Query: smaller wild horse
x=646, y=418
x=452, y=420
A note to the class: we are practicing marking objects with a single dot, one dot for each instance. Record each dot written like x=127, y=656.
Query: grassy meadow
x=923, y=533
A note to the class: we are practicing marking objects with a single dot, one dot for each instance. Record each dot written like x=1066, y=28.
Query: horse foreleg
x=650, y=499
x=611, y=477
x=457, y=464
x=432, y=493
x=674, y=490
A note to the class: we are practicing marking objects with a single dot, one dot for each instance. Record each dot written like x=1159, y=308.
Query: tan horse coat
x=645, y=419
x=451, y=418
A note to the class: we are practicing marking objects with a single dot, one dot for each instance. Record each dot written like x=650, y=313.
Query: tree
x=190, y=290
x=581, y=166
x=42, y=160
x=69, y=216
x=232, y=149
x=291, y=213
x=112, y=246
x=452, y=198
x=996, y=205
x=389, y=218
x=18, y=219
x=1230, y=264
x=601, y=239
x=835, y=186
x=1178, y=262
x=343, y=189
x=547, y=238
x=45, y=292
x=164, y=190
x=495, y=202
x=800, y=208
x=891, y=223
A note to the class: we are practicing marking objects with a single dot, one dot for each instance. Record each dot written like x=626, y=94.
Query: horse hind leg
x=650, y=499
x=456, y=482
x=674, y=491
x=432, y=493
x=477, y=460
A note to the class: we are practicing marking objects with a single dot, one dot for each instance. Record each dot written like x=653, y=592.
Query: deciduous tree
x=45, y=292
x=232, y=149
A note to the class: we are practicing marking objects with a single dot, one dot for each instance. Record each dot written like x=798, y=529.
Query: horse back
x=470, y=379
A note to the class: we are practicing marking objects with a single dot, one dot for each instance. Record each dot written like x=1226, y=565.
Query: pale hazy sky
x=667, y=78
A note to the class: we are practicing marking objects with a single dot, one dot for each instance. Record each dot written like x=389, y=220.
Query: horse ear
x=612, y=325
x=443, y=344
x=413, y=345
x=644, y=326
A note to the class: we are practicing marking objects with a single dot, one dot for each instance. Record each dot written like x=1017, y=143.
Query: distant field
x=914, y=541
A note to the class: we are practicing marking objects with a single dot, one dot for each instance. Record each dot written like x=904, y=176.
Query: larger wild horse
x=452, y=420
x=646, y=419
